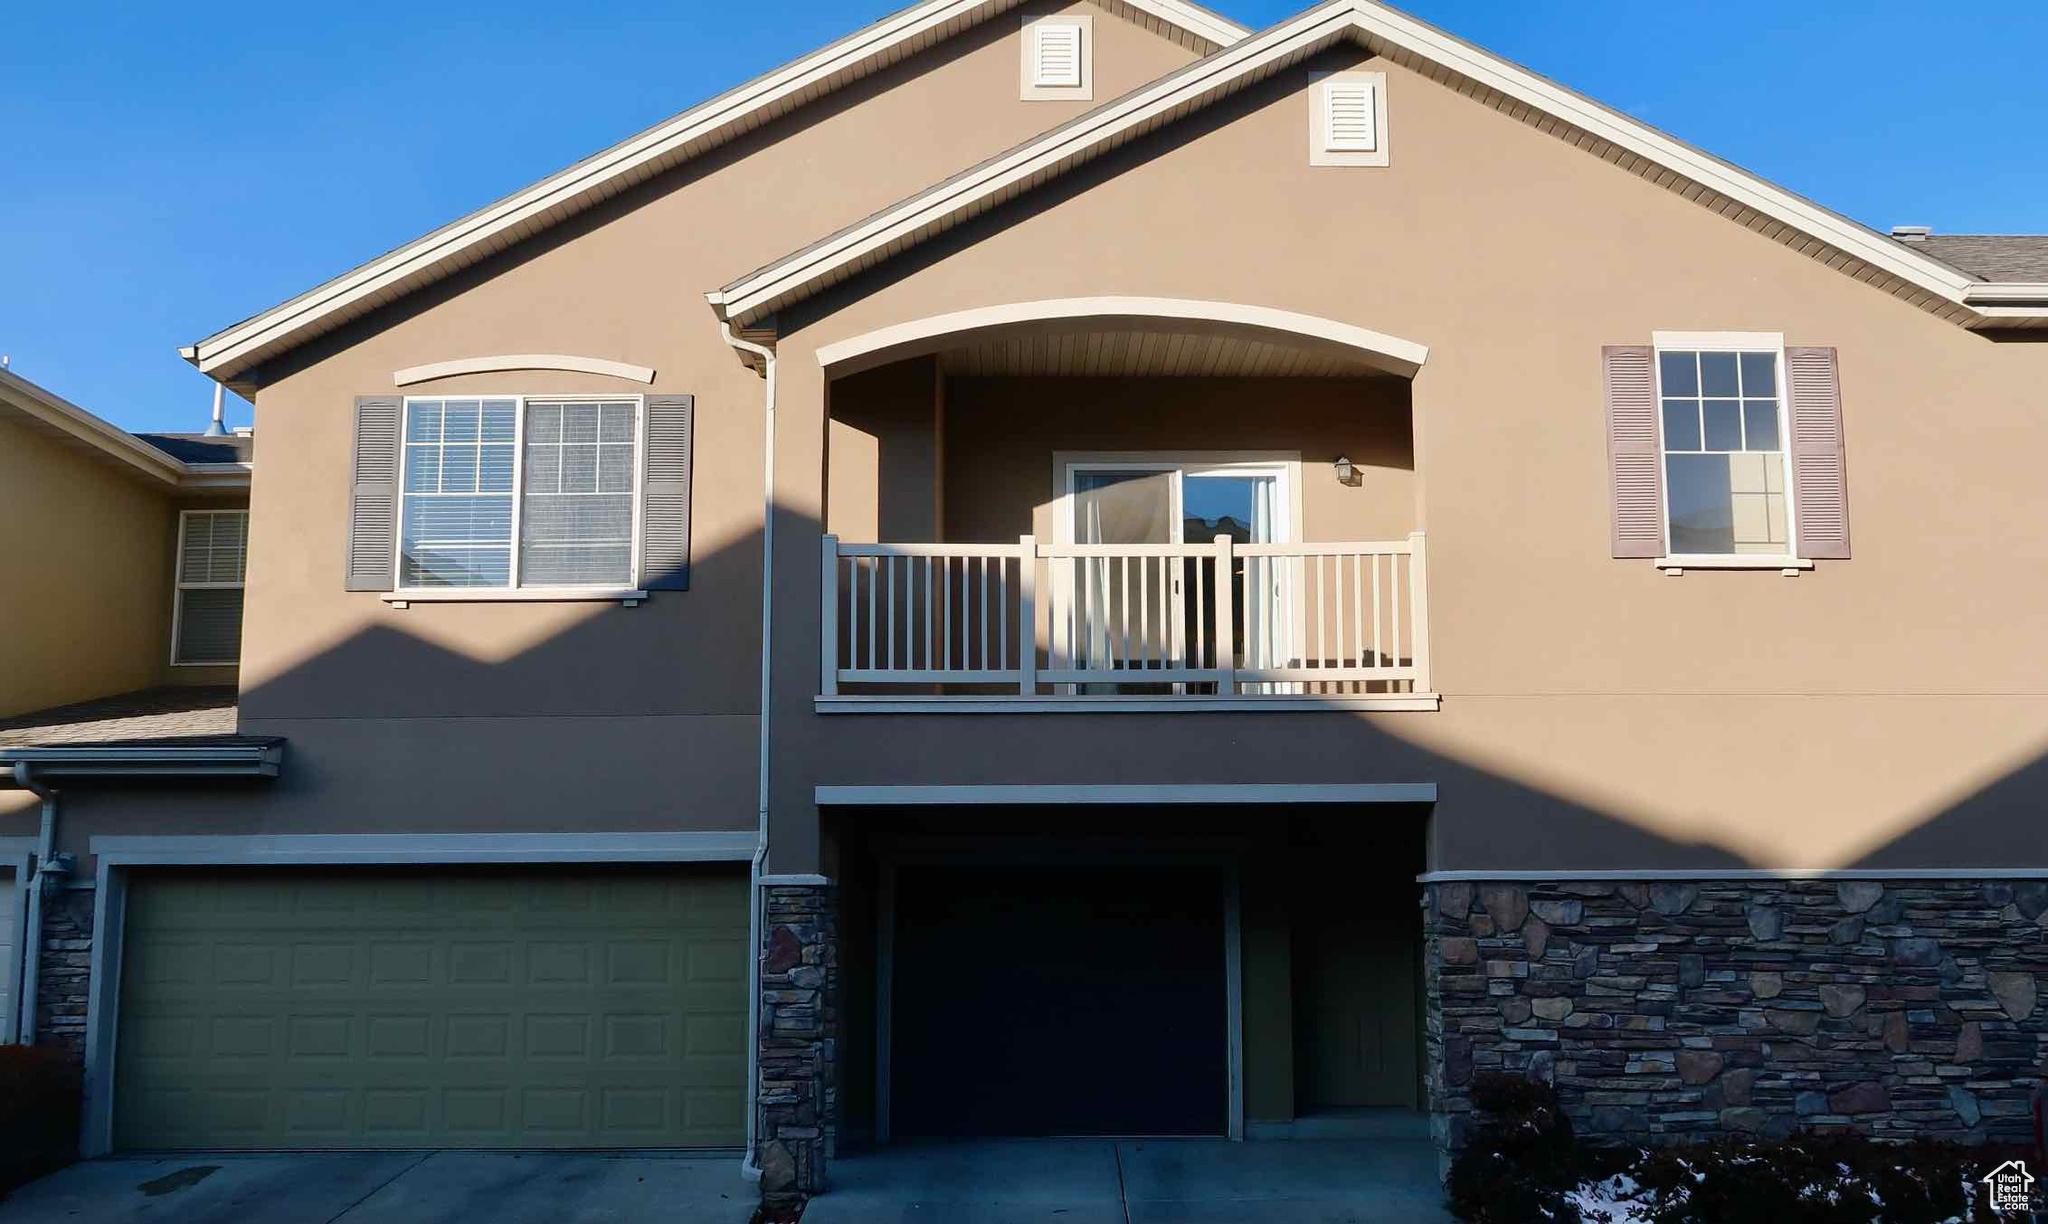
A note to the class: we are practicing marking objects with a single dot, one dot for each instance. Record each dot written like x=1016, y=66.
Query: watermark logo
x=2009, y=1187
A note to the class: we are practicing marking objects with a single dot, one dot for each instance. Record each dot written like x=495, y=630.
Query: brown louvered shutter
x=665, y=494
x=1635, y=469
x=373, y=495
x=1820, y=475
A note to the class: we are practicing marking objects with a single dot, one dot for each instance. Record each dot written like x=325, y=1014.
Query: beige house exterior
x=97, y=513
x=1220, y=493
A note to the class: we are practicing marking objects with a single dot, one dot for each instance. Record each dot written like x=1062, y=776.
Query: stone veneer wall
x=1672, y=1011
x=65, y=970
x=798, y=1107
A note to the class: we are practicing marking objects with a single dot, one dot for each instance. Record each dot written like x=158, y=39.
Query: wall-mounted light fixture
x=1347, y=471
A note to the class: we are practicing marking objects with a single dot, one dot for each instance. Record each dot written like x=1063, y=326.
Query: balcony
x=1041, y=627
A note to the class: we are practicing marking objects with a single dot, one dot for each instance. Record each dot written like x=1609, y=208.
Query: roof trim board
x=60, y=415
x=1833, y=237
x=434, y=256
x=257, y=758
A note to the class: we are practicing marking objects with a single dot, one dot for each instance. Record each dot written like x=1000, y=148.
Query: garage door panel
x=1090, y=1000
x=598, y=1009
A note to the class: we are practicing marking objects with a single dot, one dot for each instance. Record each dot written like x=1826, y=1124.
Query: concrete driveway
x=1303, y=1181
x=1348, y=1181
x=385, y=1188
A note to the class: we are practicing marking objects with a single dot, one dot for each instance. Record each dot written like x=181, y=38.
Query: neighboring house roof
x=1950, y=292
x=204, y=448
x=171, y=715
x=234, y=350
x=1999, y=258
x=154, y=456
x=172, y=732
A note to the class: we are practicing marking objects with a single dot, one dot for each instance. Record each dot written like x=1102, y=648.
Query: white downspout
x=32, y=928
x=748, y=1168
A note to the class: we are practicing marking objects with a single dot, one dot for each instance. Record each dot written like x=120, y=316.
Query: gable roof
x=1727, y=189
x=423, y=261
x=140, y=454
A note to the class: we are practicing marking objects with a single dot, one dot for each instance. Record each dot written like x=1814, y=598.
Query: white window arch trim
x=1728, y=342
x=629, y=592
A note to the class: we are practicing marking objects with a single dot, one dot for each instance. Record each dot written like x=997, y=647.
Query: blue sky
x=171, y=170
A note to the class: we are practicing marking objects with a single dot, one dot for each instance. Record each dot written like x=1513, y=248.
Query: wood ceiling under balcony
x=1145, y=354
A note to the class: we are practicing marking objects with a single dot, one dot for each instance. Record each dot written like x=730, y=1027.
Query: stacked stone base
x=64, y=970
x=1671, y=1011
x=797, y=1106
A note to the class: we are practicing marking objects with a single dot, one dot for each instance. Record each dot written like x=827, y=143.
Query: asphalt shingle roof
x=1991, y=257
x=193, y=715
x=200, y=448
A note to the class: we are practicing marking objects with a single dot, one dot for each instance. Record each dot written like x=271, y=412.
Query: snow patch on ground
x=1620, y=1200
x=1614, y=1200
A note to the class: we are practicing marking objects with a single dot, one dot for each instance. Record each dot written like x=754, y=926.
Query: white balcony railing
x=1081, y=620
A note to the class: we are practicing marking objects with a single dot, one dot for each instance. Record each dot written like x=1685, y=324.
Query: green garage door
x=488, y=1007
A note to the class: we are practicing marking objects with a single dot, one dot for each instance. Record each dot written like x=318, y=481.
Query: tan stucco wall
x=1888, y=710
x=887, y=434
x=1002, y=434
x=524, y=716
x=86, y=608
x=905, y=442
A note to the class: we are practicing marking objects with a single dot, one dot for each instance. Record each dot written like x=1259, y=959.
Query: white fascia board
x=371, y=848
x=207, y=476
x=1213, y=28
x=1167, y=794
x=2004, y=293
x=728, y=110
x=775, y=285
x=60, y=413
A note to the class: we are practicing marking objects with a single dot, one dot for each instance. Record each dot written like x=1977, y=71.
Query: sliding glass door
x=1139, y=613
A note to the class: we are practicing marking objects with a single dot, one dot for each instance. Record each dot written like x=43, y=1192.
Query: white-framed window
x=1058, y=56
x=1347, y=121
x=1723, y=436
x=502, y=492
x=213, y=567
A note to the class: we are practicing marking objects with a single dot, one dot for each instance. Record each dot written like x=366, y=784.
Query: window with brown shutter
x=1725, y=451
x=1634, y=468
x=1820, y=477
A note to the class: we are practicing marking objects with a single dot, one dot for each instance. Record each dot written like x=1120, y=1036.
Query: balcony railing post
x=1225, y=588
x=828, y=642
x=1027, y=616
x=1418, y=611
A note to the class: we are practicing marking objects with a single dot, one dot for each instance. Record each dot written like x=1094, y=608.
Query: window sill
x=402, y=599
x=1789, y=566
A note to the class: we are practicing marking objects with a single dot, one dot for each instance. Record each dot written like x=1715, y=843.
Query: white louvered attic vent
x=1056, y=55
x=1350, y=117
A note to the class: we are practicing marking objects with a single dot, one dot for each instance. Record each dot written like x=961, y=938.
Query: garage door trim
x=16, y=853
x=1053, y=854
x=117, y=855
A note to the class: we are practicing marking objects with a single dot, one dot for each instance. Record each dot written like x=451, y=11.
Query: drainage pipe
x=32, y=929
x=749, y=1166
